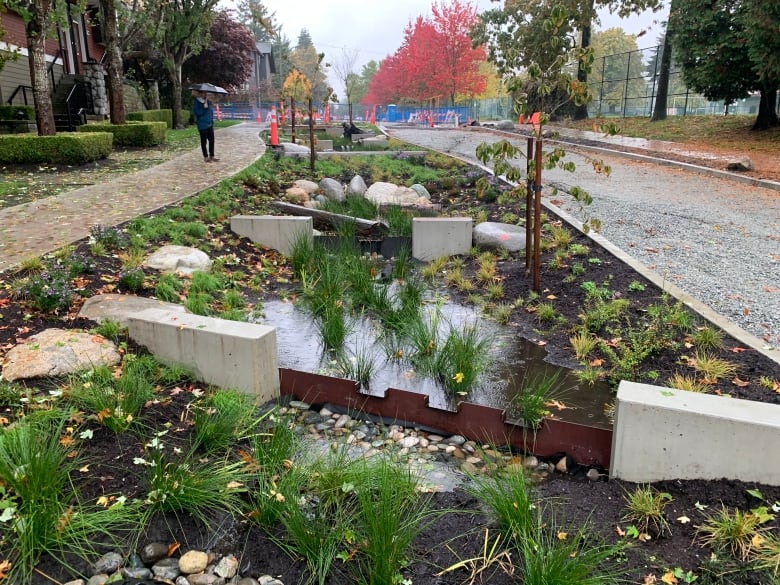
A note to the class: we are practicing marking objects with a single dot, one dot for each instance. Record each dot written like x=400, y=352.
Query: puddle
x=513, y=359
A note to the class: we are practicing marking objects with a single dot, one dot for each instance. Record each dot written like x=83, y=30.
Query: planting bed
x=577, y=281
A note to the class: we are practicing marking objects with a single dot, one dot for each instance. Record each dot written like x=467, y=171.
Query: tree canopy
x=729, y=48
x=435, y=61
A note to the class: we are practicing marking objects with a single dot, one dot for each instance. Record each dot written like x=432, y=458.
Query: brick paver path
x=42, y=226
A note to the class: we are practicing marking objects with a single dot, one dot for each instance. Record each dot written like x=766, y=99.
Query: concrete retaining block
x=273, y=231
x=433, y=237
x=661, y=433
x=228, y=354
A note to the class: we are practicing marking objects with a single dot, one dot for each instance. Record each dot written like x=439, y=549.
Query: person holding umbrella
x=203, y=112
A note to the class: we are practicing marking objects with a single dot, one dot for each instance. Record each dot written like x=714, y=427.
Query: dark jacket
x=204, y=116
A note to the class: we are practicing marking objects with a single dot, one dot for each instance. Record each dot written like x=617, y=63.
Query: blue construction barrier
x=453, y=115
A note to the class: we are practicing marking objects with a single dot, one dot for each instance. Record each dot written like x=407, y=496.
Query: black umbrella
x=209, y=87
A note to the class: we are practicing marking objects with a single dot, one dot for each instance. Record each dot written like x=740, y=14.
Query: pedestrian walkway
x=42, y=226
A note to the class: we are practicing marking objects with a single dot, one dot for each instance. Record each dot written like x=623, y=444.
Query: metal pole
x=537, y=213
x=312, y=152
x=529, y=193
x=603, y=74
x=625, y=87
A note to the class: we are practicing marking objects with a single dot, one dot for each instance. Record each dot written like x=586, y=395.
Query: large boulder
x=308, y=186
x=741, y=164
x=178, y=259
x=420, y=190
x=332, y=189
x=505, y=125
x=383, y=193
x=357, y=186
x=57, y=352
x=497, y=235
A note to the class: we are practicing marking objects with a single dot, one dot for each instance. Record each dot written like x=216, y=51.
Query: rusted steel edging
x=586, y=445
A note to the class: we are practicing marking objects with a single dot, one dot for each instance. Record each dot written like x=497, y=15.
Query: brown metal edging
x=586, y=445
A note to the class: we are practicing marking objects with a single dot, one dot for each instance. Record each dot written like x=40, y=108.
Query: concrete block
x=273, y=231
x=323, y=145
x=433, y=237
x=661, y=433
x=228, y=354
x=335, y=131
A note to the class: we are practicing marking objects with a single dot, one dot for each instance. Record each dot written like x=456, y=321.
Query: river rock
x=309, y=187
x=357, y=186
x=56, y=352
x=108, y=563
x=193, y=561
x=332, y=189
x=505, y=125
x=296, y=195
x=421, y=191
x=227, y=567
x=178, y=259
x=495, y=235
x=205, y=579
x=166, y=569
x=153, y=552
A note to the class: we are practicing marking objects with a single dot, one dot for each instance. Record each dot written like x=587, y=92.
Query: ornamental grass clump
x=223, y=418
x=645, y=509
x=41, y=511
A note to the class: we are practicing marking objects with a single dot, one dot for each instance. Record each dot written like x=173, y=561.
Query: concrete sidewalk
x=42, y=226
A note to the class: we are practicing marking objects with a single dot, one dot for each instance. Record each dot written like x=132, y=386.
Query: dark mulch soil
x=460, y=533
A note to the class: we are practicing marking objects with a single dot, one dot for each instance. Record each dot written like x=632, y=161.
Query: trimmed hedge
x=69, y=148
x=152, y=116
x=131, y=134
x=17, y=113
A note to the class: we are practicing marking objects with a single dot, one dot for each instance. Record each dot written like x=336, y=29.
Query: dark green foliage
x=136, y=134
x=68, y=148
x=165, y=115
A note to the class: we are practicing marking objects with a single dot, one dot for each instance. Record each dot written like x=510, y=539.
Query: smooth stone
x=268, y=580
x=421, y=191
x=332, y=189
x=593, y=474
x=178, y=259
x=497, y=235
x=205, y=579
x=306, y=185
x=409, y=442
x=109, y=563
x=76, y=582
x=740, y=164
x=167, y=568
x=530, y=462
x=456, y=440
x=296, y=195
x=97, y=579
x=357, y=186
x=474, y=460
x=342, y=421
x=193, y=561
x=299, y=405
x=153, y=552
x=227, y=567
x=248, y=581
x=469, y=468
x=134, y=561
x=138, y=573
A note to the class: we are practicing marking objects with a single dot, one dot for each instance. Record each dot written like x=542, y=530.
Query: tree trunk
x=767, y=115
x=349, y=104
x=662, y=91
x=581, y=112
x=36, y=43
x=175, y=76
x=114, y=62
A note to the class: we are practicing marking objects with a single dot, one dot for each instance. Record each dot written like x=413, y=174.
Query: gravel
x=716, y=239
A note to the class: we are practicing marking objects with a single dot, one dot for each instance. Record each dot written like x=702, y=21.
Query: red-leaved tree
x=228, y=59
x=434, y=62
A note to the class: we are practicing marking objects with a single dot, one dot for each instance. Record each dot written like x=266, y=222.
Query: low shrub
x=165, y=115
x=68, y=148
x=131, y=134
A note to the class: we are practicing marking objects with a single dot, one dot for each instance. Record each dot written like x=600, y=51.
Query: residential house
x=74, y=59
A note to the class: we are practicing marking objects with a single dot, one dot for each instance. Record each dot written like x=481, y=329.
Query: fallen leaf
x=556, y=404
x=4, y=568
x=649, y=579
x=84, y=469
x=770, y=289
x=683, y=519
x=669, y=578
x=757, y=540
x=700, y=506
x=746, y=311
x=597, y=362
x=620, y=531
x=102, y=501
x=562, y=535
x=67, y=441
x=551, y=297
x=738, y=349
x=173, y=547
x=741, y=383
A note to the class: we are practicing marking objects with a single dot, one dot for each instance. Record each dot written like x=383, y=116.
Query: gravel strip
x=717, y=240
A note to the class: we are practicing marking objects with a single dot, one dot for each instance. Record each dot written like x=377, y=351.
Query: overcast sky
x=375, y=27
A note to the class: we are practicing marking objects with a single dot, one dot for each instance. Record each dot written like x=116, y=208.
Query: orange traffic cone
x=274, y=128
x=257, y=117
x=219, y=113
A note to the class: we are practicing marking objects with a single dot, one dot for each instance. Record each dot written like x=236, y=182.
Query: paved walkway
x=42, y=226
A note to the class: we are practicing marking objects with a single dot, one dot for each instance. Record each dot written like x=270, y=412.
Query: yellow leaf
x=102, y=501
x=562, y=535
x=649, y=579
x=458, y=377
x=757, y=540
x=84, y=469
x=683, y=519
x=669, y=578
x=620, y=531
x=551, y=297
x=234, y=484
